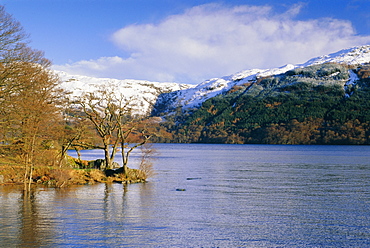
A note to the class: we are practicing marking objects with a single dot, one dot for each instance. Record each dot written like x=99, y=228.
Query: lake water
x=232, y=196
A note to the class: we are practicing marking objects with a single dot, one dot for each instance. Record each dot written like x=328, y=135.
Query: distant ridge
x=195, y=96
x=142, y=91
x=169, y=96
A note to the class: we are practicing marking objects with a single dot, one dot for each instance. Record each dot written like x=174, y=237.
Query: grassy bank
x=51, y=176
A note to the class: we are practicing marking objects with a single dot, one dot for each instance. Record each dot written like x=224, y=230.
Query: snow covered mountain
x=144, y=93
x=193, y=97
x=169, y=96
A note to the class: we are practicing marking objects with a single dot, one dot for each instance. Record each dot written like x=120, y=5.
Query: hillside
x=144, y=93
x=193, y=97
x=324, y=101
x=170, y=96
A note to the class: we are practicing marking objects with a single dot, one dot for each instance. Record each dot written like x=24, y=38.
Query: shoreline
x=56, y=177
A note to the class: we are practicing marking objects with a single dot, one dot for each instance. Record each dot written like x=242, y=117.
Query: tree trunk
x=108, y=162
x=124, y=159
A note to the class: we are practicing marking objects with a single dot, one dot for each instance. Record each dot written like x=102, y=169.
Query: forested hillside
x=319, y=104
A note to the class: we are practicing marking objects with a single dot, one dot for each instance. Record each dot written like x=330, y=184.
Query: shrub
x=364, y=72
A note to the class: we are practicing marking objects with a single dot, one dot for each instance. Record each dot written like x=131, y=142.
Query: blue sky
x=187, y=41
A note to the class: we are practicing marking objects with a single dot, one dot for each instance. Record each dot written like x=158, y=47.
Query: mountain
x=169, y=96
x=193, y=97
x=143, y=92
x=323, y=101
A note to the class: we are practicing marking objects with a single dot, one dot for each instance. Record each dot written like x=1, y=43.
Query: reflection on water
x=29, y=221
x=78, y=215
x=235, y=196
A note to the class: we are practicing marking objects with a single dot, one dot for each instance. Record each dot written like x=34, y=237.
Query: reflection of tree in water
x=29, y=221
x=48, y=218
x=113, y=206
x=126, y=202
x=34, y=229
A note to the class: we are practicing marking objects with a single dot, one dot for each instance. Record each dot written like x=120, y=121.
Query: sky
x=187, y=41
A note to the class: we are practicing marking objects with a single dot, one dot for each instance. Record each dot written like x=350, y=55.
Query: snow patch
x=353, y=56
x=143, y=94
x=352, y=81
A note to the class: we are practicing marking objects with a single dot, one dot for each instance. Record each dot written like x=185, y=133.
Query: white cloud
x=214, y=40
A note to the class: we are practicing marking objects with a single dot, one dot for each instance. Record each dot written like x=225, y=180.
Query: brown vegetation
x=37, y=127
x=364, y=72
x=51, y=176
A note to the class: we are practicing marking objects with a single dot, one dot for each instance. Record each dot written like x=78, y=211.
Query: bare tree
x=12, y=35
x=98, y=107
x=28, y=96
x=15, y=54
x=132, y=134
x=115, y=123
x=30, y=117
x=76, y=134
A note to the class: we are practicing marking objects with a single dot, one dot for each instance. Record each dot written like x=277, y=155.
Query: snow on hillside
x=194, y=97
x=352, y=56
x=352, y=79
x=145, y=93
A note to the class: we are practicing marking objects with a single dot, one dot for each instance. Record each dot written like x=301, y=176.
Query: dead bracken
x=63, y=177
